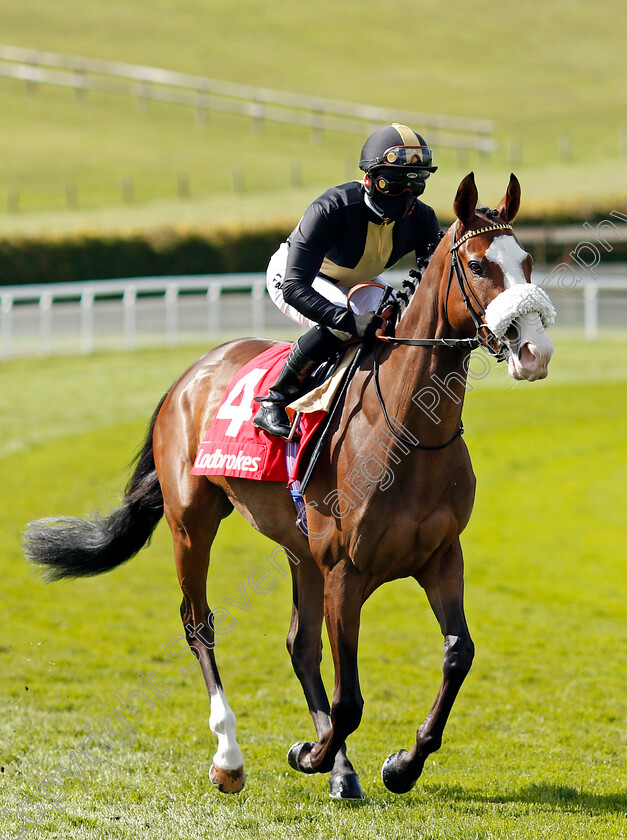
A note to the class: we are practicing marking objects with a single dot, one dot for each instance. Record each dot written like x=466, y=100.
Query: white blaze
x=509, y=256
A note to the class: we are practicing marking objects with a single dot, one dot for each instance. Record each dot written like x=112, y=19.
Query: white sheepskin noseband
x=518, y=300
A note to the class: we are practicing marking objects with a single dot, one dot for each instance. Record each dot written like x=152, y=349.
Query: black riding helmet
x=396, y=159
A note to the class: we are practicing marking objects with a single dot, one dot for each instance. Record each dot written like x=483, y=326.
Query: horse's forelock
x=487, y=212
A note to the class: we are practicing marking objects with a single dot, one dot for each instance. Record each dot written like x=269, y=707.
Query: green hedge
x=144, y=254
x=171, y=252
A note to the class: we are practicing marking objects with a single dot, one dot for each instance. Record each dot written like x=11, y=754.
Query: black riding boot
x=315, y=346
x=272, y=416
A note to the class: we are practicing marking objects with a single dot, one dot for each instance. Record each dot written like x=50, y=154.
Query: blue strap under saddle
x=291, y=451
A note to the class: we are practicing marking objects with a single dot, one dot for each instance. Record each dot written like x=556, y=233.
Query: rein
x=459, y=343
x=489, y=341
x=401, y=438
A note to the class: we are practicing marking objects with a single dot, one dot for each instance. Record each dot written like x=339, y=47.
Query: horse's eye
x=475, y=267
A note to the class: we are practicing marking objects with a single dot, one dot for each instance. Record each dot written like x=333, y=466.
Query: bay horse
x=390, y=496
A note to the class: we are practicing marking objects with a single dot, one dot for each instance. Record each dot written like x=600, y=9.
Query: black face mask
x=393, y=207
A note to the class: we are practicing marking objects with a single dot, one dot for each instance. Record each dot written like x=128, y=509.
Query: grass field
x=533, y=746
x=541, y=71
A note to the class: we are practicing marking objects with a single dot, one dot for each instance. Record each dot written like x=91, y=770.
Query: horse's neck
x=429, y=382
x=422, y=316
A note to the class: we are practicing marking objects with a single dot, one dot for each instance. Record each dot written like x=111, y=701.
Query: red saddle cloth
x=233, y=446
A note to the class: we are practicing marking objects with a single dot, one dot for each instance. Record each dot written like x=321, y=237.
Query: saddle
x=314, y=386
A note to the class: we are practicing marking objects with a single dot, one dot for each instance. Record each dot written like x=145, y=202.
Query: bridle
x=484, y=337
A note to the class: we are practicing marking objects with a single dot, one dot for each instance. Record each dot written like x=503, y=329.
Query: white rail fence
x=48, y=317
x=203, y=94
x=126, y=314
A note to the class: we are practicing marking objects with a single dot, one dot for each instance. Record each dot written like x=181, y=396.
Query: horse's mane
x=409, y=286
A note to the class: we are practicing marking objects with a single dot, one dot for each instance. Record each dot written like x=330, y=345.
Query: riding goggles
x=401, y=156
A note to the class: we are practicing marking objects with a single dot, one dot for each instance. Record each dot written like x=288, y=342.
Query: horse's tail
x=71, y=547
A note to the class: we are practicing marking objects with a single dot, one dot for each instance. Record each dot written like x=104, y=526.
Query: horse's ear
x=466, y=199
x=510, y=202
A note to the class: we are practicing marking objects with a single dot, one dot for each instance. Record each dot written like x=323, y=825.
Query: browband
x=472, y=233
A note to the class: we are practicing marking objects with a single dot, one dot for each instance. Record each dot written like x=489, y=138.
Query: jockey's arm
x=308, y=246
x=311, y=304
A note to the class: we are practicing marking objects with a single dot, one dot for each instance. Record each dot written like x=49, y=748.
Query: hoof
x=228, y=781
x=346, y=787
x=297, y=753
x=396, y=778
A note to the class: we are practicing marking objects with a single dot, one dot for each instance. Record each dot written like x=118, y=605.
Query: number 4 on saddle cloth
x=234, y=447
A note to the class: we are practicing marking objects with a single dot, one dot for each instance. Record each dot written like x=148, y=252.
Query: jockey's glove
x=364, y=326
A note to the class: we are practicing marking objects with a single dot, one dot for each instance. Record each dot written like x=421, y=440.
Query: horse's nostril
x=527, y=357
x=513, y=333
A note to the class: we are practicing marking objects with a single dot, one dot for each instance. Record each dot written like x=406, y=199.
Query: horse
x=389, y=498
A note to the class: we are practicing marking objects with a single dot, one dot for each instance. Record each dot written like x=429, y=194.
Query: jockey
x=348, y=236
